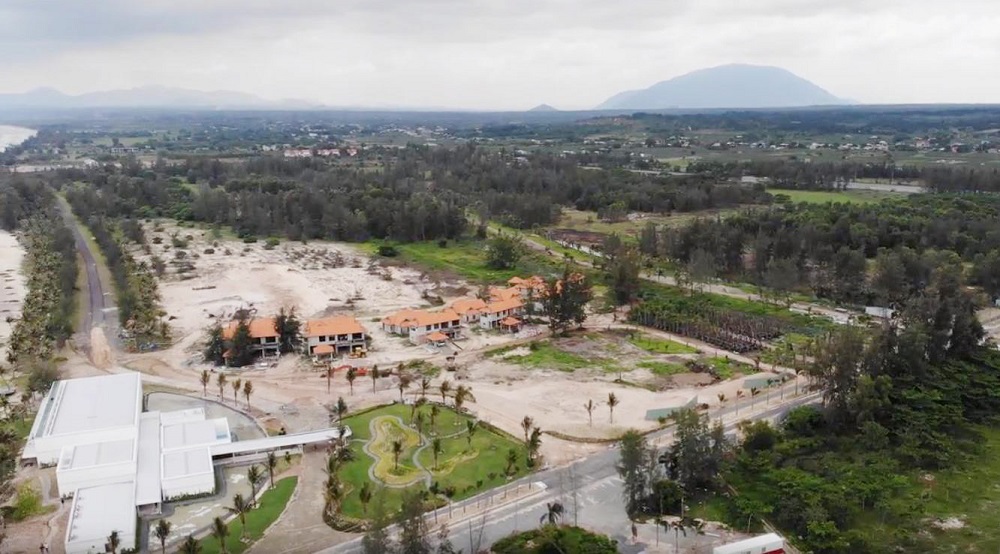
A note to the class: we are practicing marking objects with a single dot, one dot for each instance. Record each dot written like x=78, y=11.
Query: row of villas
x=326, y=336
x=502, y=311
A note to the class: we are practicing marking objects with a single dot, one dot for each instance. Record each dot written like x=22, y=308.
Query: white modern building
x=117, y=461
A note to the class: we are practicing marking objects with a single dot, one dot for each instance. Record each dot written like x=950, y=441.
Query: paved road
x=99, y=301
x=590, y=490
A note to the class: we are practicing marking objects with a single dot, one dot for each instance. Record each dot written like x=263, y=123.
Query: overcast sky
x=497, y=54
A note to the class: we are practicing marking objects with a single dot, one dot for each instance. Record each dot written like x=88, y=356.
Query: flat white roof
x=97, y=511
x=93, y=403
x=195, y=433
x=187, y=462
x=756, y=545
x=147, y=478
x=277, y=442
x=96, y=454
x=182, y=416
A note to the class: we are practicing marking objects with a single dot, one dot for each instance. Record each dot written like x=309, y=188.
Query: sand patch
x=13, y=287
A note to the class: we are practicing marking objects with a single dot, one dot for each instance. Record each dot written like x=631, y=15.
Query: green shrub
x=28, y=503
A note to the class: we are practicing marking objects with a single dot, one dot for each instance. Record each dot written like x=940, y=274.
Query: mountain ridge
x=726, y=86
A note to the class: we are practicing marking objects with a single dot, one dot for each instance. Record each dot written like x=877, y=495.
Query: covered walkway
x=280, y=442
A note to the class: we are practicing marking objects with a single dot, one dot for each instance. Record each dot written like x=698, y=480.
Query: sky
x=497, y=54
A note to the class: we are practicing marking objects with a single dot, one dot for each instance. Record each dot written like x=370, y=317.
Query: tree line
x=827, y=248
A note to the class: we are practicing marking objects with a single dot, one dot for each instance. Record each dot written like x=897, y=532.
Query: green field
x=661, y=346
x=466, y=259
x=271, y=504
x=468, y=471
x=847, y=196
x=545, y=355
x=662, y=369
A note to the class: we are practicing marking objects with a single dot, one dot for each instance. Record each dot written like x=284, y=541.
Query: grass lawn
x=726, y=368
x=663, y=368
x=847, y=196
x=272, y=503
x=468, y=471
x=467, y=259
x=661, y=346
x=971, y=494
x=545, y=355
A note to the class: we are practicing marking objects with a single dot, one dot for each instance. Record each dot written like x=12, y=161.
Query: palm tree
x=272, y=463
x=470, y=430
x=418, y=422
x=162, y=532
x=241, y=507
x=236, y=390
x=365, y=496
x=612, y=402
x=253, y=475
x=553, y=512
x=341, y=409
x=247, y=391
x=329, y=376
x=333, y=495
x=436, y=448
x=404, y=383
x=425, y=385
x=589, y=406
x=463, y=393
x=221, y=532
x=434, y=413
x=527, y=423
x=206, y=378
x=114, y=542
x=374, y=374
x=754, y=391
x=739, y=394
x=221, y=380
x=397, y=449
x=534, y=443
x=352, y=374
x=511, y=461
x=191, y=546
x=416, y=406
x=797, y=371
x=444, y=387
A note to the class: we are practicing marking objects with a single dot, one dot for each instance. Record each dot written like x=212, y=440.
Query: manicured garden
x=466, y=464
x=270, y=506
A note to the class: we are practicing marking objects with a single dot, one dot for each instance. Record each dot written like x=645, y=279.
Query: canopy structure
x=510, y=322
x=437, y=336
x=323, y=349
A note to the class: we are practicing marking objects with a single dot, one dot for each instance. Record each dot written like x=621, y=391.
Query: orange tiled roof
x=437, y=336
x=509, y=304
x=323, y=349
x=466, y=305
x=510, y=321
x=259, y=328
x=336, y=325
x=410, y=318
x=498, y=294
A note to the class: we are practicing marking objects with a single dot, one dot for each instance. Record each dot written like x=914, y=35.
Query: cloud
x=489, y=54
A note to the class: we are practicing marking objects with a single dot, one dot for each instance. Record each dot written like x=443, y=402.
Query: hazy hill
x=727, y=86
x=143, y=97
x=543, y=108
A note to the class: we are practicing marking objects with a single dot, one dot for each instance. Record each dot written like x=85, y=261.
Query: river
x=11, y=136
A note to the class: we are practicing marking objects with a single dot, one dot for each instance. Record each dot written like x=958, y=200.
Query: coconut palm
x=221, y=532
x=397, y=449
x=425, y=385
x=534, y=444
x=511, y=461
x=341, y=409
x=191, y=546
x=416, y=406
x=436, y=449
x=237, y=384
x=527, y=423
x=612, y=402
x=404, y=383
x=253, y=475
x=162, y=532
x=463, y=393
x=470, y=430
x=206, y=378
x=418, y=422
x=329, y=377
x=445, y=388
x=333, y=495
x=754, y=391
x=352, y=374
x=365, y=496
x=240, y=508
x=589, y=406
x=221, y=380
x=434, y=413
x=272, y=464
x=247, y=391
x=374, y=374
x=739, y=394
x=114, y=542
x=553, y=513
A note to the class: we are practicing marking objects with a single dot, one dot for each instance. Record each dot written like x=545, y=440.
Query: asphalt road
x=99, y=300
x=589, y=489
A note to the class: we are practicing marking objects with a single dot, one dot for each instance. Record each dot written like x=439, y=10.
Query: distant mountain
x=727, y=86
x=145, y=97
x=543, y=108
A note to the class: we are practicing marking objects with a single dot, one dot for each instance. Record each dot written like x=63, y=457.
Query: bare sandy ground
x=13, y=286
